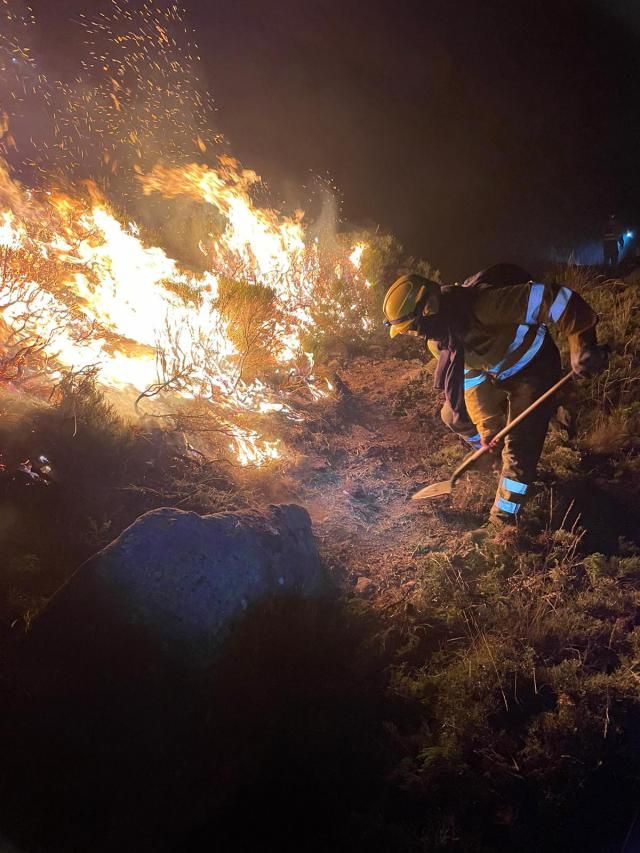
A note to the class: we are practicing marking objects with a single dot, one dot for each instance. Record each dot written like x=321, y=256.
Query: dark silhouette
x=612, y=242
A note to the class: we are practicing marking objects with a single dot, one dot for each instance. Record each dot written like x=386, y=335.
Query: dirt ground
x=353, y=459
x=377, y=442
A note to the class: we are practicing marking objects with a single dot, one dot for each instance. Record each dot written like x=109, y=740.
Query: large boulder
x=178, y=581
x=132, y=713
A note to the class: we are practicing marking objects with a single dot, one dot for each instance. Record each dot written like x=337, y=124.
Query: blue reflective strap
x=529, y=354
x=507, y=506
x=536, y=295
x=474, y=440
x=559, y=304
x=514, y=486
x=513, y=346
x=474, y=381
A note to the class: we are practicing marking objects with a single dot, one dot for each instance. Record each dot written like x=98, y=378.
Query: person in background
x=612, y=242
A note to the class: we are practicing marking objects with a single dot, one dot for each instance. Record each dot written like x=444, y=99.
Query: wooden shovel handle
x=507, y=429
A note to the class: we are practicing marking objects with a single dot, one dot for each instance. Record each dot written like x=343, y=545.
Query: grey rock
x=134, y=691
x=180, y=581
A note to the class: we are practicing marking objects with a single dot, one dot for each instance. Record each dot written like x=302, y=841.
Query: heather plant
x=524, y=662
x=253, y=317
x=347, y=306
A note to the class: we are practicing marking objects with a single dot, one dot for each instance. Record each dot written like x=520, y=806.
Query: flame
x=356, y=259
x=271, y=249
x=356, y=255
x=81, y=286
x=251, y=451
x=87, y=288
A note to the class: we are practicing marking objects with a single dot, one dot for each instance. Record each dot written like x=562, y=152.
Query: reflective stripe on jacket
x=509, y=326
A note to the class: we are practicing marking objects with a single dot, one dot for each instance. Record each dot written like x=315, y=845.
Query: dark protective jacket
x=507, y=327
x=510, y=360
x=611, y=231
x=612, y=235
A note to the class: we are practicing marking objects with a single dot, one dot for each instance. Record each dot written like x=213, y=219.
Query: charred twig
x=158, y=388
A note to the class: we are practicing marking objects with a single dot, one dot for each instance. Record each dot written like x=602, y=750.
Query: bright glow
x=356, y=256
x=87, y=288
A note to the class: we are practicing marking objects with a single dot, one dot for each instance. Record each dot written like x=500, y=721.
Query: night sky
x=474, y=131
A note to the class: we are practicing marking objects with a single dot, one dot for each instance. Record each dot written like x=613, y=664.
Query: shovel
x=445, y=486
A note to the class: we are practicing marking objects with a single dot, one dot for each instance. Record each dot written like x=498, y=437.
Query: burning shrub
x=347, y=316
x=254, y=319
x=30, y=285
x=82, y=288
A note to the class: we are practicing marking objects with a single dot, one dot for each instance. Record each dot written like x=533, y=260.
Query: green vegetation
x=524, y=661
x=347, y=316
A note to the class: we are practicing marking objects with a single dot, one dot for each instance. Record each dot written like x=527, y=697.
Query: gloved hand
x=590, y=360
x=490, y=441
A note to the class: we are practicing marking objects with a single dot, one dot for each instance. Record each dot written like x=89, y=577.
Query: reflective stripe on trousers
x=510, y=495
x=523, y=446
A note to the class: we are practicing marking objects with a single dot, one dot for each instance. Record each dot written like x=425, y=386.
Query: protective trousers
x=610, y=251
x=493, y=404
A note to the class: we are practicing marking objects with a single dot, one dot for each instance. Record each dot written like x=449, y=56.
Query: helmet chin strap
x=432, y=327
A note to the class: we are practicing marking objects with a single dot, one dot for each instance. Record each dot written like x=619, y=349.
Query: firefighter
x=495, y=357
x=612, y=242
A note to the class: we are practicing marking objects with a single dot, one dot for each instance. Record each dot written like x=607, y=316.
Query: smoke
x=325, y=226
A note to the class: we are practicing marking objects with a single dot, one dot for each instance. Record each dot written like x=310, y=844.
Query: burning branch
x=79, y=288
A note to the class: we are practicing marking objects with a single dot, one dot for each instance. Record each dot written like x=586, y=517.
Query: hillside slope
x=498, y=687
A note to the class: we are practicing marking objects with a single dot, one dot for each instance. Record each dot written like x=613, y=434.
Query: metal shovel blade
x=434, y=491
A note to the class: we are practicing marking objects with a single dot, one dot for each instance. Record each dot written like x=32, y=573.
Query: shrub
x=104, y=473
x=523, y=662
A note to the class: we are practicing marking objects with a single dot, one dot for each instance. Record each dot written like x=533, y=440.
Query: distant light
x=629, y=235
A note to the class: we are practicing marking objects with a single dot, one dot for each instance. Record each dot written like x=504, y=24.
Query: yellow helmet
x=408, y=298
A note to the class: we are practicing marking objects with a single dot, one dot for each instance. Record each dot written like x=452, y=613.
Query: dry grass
x=610, y=434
